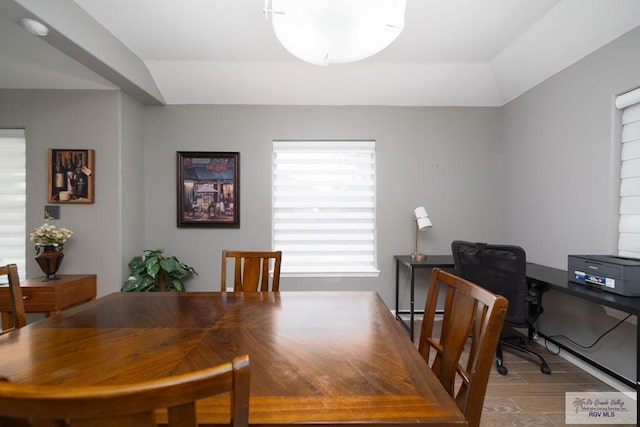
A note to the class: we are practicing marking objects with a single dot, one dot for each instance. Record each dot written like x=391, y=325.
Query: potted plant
x=152, y=272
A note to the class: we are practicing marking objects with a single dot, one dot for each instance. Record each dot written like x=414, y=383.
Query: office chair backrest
x=470, y=313
x=132, y=404
x=251, y=271
x=15, y=296
x=502, y=269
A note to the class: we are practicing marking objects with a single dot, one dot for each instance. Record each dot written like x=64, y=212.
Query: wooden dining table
x=317, y=358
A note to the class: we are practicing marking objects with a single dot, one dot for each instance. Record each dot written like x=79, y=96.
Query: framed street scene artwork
x=71, y=176
x=208, y=189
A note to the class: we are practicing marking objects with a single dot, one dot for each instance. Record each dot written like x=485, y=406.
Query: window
x=324, y=207
x=13, y=198
x=629, y=225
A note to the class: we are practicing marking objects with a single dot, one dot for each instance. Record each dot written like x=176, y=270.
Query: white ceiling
x=451, y=52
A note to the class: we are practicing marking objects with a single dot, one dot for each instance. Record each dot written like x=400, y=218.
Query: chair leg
x=502, y=370
x=544, y=367
x=532, y=333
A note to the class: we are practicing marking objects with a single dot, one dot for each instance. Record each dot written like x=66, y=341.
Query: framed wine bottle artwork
x=71, y=176
x=208, y=189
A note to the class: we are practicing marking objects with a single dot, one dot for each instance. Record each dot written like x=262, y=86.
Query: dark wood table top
x=316, y=357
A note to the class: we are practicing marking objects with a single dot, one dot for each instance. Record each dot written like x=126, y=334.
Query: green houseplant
x=152, y=272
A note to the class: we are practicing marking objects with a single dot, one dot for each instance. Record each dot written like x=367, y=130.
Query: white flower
x=50, y=235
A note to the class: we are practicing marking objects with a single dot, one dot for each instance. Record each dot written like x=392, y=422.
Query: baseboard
x=607, y=379
x=588, y=368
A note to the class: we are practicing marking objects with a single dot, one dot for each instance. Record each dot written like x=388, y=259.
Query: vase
x=49, y=259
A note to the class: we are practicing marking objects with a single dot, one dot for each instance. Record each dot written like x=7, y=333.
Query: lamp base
x=418, y=257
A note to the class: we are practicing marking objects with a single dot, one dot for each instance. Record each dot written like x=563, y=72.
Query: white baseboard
x=602, y=376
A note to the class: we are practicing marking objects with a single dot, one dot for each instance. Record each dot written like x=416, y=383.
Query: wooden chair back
x=251, y=271
x=15, y=296
x=128, y=405
x=472, y=318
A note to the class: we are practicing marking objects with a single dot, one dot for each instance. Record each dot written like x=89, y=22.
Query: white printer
x=610, y=273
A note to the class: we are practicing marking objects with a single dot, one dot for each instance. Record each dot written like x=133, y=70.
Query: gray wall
x=73, y=119
x=442, y=158
x=131, y=183
x=560, y=143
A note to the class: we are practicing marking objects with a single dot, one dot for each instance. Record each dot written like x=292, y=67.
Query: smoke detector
x=34, y=27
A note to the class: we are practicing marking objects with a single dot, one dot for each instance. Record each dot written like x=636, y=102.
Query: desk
x=50, y=297
x=432, y=261
x=556, y=279
x=551, y=278
x=317, y=358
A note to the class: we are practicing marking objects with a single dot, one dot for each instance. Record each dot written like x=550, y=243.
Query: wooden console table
x=50, y=297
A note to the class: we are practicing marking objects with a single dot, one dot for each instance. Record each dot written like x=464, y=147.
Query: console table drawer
x=38, y=300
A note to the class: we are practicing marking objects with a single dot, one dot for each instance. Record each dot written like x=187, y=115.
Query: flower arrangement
x=50, y=235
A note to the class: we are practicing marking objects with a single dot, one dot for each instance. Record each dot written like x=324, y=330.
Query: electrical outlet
x=51, y=212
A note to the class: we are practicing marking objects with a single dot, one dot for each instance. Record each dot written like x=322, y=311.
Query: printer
x=610, y=273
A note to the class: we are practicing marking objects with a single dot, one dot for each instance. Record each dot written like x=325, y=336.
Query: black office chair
x=502, y=270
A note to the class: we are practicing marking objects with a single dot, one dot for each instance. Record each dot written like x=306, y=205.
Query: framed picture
x=71, y=176
x=208, y=189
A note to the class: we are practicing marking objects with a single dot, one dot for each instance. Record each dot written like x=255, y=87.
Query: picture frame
x=208, y=189
x=71, y=176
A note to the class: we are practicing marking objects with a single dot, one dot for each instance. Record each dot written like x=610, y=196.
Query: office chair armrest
x=535, y=291
x=533, y=295
x=533, y=300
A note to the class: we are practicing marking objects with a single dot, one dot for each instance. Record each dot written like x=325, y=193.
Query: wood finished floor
x=527, y=397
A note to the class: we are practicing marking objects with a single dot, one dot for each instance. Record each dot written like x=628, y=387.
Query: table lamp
x=422, y=221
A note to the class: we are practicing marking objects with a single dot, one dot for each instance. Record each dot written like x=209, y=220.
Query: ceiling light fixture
x=34, y=27
x=324, y=32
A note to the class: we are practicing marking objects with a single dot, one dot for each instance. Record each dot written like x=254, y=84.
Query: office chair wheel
x=502, y=370
x=545, y=369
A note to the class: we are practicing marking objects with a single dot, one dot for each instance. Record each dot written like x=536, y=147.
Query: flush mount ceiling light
x=324, y=32
x=34, y=27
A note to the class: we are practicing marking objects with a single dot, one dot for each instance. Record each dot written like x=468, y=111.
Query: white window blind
x=629, y=225
x=324, y=207
x=13, y=198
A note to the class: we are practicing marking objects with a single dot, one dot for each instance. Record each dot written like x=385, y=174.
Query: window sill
x=369, y=273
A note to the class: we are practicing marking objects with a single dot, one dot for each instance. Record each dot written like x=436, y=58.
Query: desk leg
x=403, y=323
x=412, y=314
x=397, y=290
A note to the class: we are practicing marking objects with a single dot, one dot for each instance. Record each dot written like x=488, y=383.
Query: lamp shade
x=322, y=32
x=422, y=218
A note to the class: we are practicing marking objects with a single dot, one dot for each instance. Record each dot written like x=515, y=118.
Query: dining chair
x=251, y=270
x=15, y=297
x=502, y=269
x=130, y=404
x=472, y=318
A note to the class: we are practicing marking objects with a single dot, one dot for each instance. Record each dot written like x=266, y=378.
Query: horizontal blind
x=13, y=198
x=629, y=225
x=324, y=207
